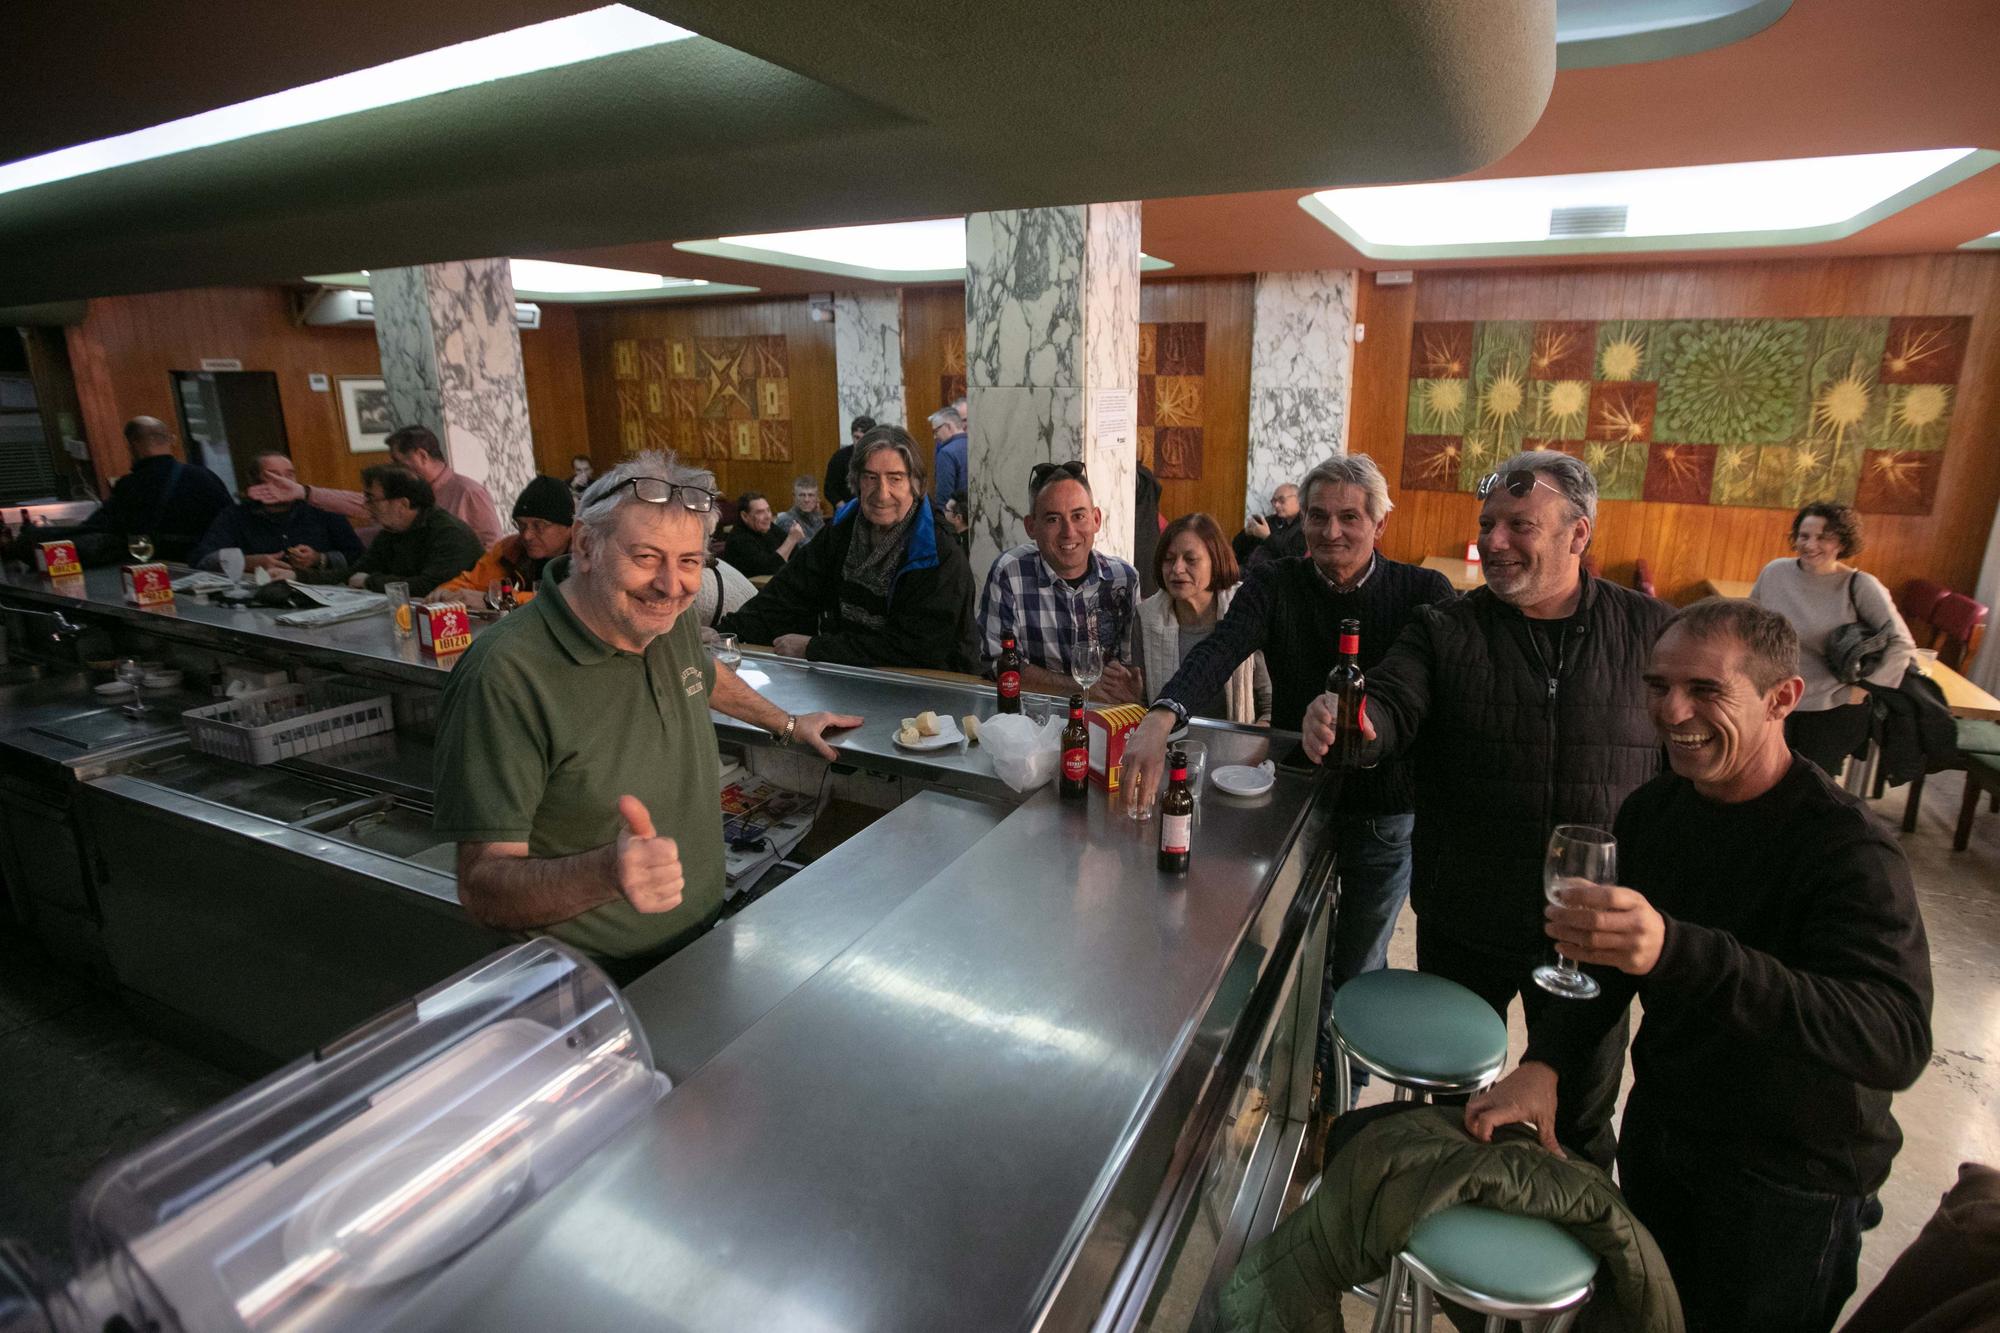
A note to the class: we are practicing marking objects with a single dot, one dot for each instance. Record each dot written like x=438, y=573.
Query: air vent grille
x=1588, y=220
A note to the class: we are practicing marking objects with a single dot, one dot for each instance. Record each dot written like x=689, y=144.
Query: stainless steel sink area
x=390, y=828
x=268, y=793
x=107, y=728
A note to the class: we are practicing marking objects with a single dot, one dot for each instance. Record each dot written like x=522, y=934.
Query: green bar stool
x=1424, y=1034
x=1518, y=1269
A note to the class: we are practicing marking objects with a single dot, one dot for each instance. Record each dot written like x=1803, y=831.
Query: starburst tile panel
x=688, y=393
x=1758, y=412
x=1173, y=370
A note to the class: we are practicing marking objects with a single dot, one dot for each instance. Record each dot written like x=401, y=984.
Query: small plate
x=1237, y=780
x=948, y=736
x=163, y=680
x=111, y=689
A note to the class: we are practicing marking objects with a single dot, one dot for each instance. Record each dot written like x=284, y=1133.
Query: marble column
x=1051, y=362
x=1301, y=372
x=868, y=359
x=451, y=360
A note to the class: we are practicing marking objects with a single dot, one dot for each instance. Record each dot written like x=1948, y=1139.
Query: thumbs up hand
x=645, y=868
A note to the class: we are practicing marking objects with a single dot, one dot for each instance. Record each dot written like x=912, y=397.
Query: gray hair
x=946, y=416
x=1351, y=470
x=874, y=442
x=1575, y=482
x=598, y=510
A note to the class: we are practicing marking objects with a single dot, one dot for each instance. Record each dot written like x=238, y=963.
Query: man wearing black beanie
x=543, y=516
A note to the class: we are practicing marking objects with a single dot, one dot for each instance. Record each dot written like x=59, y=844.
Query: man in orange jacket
x=542, y=519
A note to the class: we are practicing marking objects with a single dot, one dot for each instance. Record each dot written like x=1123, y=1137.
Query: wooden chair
x=1642, y=578
x=1917, y=599
x=1982, y=774
x=1958, y=621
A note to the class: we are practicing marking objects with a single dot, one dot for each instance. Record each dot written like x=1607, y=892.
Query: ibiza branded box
x=148, y=585
x=58, y=559
x=1109, y=729
x=443, y=628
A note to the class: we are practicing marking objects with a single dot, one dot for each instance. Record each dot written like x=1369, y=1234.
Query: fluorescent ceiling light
x=929, y=251
x=549, y=280
x=1801, y=200
x=565, y=41
x=1990, y=241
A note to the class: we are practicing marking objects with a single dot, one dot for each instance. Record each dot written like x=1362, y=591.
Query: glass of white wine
x=1087, y=664
x=727, y=651
x=141, y=547
x=1578, y=853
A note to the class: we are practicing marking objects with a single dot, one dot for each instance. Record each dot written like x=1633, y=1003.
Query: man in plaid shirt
x=1054, y=591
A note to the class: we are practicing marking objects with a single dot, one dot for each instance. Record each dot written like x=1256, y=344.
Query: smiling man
x=1768, y=922
x=576, y=761
x=1520, y=706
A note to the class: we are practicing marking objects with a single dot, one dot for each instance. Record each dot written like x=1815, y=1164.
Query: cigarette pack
x=1109, y=728
x=58, y=559
x=443, y=628
x=148, y=585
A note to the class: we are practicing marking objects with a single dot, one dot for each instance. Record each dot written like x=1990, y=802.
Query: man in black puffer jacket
x=1521, y=706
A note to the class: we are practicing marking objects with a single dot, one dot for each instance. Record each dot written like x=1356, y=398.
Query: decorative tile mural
x=1757, y=412
x=1173, y=366
x=951, y=377
x=707, y=398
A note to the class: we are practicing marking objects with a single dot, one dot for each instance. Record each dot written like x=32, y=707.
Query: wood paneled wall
x=1224, y=305
x=929, y=313
x=1685, y=543
x=127, y=348
x=812, y=400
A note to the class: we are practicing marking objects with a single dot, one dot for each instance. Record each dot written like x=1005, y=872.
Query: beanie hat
x=548, y=499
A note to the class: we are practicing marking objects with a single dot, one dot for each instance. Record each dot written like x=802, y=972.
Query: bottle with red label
x=1349, y=688
x=1176, y=816
x=1007, y=672
x=1075, y=753
x=507, y=599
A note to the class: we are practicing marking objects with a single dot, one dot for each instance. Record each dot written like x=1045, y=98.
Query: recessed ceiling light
x=1797, y=201
x=1990, y=241
x=550, y=280
x=564, y=41
x=932, y=250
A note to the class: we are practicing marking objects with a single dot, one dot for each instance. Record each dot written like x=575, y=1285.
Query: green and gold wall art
x=1755, y=412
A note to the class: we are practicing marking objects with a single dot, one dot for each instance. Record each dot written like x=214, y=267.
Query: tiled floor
x=79, y=1083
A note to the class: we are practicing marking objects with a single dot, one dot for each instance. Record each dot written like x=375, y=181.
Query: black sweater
x=1289, y=612
x=1793, y=993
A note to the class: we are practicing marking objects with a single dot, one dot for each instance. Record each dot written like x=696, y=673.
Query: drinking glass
x=727, y=651
x=141, y=547
x=133, y=673
x=400, y=614
x=1577, y=852
x=1087, y=664
x=1197, y=768
x=232, y=560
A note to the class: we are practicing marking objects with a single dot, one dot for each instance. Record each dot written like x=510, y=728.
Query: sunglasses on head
x=659, y=491
x=1044, y=472
x=1516, y=483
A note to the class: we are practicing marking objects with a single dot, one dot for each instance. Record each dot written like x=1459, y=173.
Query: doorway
x=228, y=417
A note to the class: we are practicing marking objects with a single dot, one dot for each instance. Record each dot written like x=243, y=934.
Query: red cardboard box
x=58, y=559
x=148, y=585
x=443, y=628
x=1109, y=728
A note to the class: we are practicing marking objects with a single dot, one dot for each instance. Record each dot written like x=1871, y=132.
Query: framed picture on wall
x=364, y=406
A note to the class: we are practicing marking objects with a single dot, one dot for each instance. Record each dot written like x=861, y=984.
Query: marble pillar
x=451, y=360
x=1052, y=362
x=1301, y=373
x=868, y=359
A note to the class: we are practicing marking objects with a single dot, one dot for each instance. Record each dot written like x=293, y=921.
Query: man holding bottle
x=1291, y=610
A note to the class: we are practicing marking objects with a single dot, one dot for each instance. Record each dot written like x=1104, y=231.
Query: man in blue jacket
x=879, y=586
x=952, y=473
x=264, y=532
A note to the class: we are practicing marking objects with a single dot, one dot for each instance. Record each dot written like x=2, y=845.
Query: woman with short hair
x=1198, y=576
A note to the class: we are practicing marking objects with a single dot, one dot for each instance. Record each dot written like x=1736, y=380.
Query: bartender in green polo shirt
x=576, y=765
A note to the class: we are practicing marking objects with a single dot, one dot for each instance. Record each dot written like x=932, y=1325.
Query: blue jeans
x=1373, y=859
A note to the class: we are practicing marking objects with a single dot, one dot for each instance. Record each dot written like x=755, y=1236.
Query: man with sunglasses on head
x=1056, y=592
x=1520, y=706
x=575, y=760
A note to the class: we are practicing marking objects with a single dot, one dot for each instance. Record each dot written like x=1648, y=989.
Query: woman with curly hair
x=1819, y=592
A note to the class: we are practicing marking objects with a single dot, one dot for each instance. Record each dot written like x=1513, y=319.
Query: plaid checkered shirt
x=1025, y=598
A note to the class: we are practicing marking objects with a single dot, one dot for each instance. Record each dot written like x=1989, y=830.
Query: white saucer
x=948, y=735
x=112, y=688
x=1238, y=780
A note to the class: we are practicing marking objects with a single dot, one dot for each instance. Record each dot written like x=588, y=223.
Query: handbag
x=1856, y=649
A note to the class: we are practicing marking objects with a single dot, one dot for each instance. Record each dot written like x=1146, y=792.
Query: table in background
x=1736, y=588
x=1960, y=695
x=1463, y=575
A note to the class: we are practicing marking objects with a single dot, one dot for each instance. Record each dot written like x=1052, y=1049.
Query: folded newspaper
x=335, y=605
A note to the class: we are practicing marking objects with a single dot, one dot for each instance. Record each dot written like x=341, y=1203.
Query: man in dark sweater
x=264, y=532
x=753, y=544
x=1520, y=707
x=168, y=500
x=1290, y=610
x=420, y=544
x=1768, y=922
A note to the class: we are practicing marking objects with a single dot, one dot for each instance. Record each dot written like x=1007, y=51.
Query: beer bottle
x=1350, y=700
x=1176, y=816
x=1008, y=673
x=1075, y=753
x=507, y=598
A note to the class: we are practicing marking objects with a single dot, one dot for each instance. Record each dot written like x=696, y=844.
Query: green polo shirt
x=544, y=726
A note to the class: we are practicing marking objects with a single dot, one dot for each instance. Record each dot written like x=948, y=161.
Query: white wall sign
x=222, y=363
x=319, y=384
x=1114, y=417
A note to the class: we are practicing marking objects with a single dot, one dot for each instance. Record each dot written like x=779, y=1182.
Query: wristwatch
x=785, y=737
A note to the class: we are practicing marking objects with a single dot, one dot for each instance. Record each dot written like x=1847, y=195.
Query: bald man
x=170, y=501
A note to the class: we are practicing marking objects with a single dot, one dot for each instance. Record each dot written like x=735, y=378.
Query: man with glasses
x=881, y=586
x=1056, y=593
x=1520, y=706
x=575, y=761
x=414, y=448
x=419, y=543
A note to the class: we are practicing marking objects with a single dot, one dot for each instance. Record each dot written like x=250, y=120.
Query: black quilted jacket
x=1505, y=746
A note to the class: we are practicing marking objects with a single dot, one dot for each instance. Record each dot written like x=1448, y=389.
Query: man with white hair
x=1519, y=706
x=576, y=760
x=950, y=473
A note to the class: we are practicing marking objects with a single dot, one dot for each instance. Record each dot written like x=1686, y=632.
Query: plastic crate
x=265, y=726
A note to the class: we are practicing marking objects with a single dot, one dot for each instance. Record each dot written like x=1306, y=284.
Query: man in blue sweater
x=950, y=472
x=264, y=532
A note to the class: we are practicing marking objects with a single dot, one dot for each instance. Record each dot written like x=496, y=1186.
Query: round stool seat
x=1516, y=1260
x=1419, y=1028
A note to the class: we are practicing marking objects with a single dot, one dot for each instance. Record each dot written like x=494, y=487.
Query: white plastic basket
x=264, y=726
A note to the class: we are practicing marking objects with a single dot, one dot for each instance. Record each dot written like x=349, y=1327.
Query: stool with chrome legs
x=1424, y=1034
x=1510, y=1269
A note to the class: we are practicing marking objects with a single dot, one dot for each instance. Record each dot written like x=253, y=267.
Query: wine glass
x=727, y=651
x=1577, y=852
x=133, y=674
x=1087, y=664
x=141, y=547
